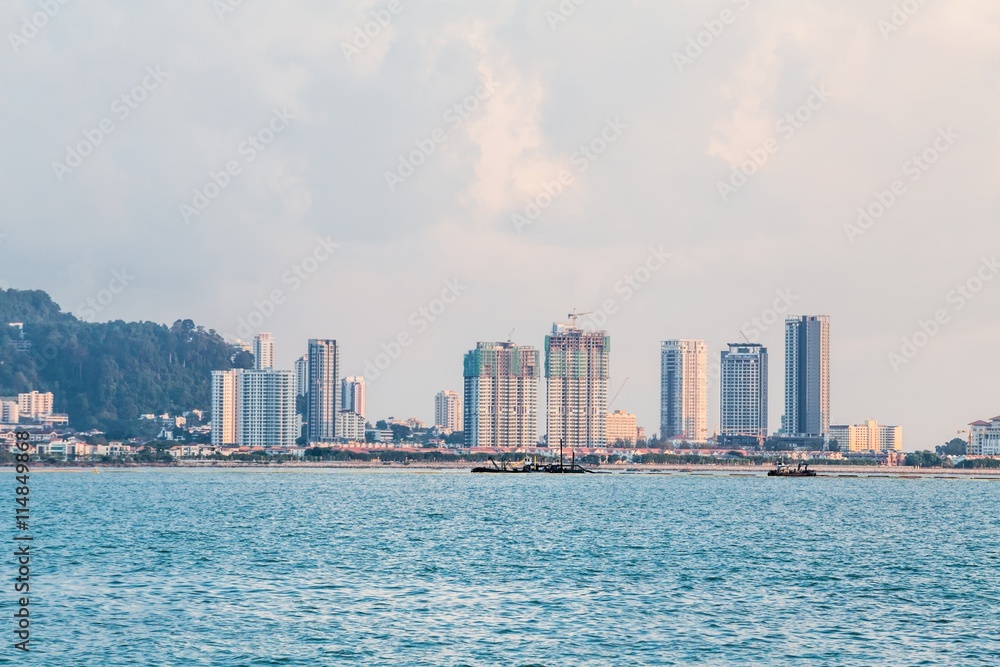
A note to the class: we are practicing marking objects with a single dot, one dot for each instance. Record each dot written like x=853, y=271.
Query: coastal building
x=868, y=437
x=263, y=351
x=448, y=411
x=743, y=405
x=265, y=409
x=621, y=428
x=324, y=390
x=984, y=437
x=34, y=404
x=501, y=396
x=684, y=390
x=351, y=425
x=10, y=412
x=807, y=376
x=224, y=407
x=253, y=408
x=577, y=365
x=352, y=394
x=302, y=375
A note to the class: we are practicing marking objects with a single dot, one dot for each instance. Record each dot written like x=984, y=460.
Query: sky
x=452, y=172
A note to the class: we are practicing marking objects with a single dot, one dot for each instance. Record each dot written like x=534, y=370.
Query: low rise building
x=984, y=437
x=868, y=437
x=621, y=427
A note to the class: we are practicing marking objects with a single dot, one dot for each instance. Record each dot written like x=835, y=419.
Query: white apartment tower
x=34, y=404
x=684, y=390
x=448, y=411
x=744, y=393
x=577, y=365
x=266, y=414
x=302, y=375
x=352, y=395
x=501, y=396
x=324, y=390
x=263, y=351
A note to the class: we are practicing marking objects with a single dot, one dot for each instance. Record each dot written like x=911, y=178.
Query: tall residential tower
x=263, y=351
x=684, y=390
x=501, y=396
x=807, y=376
x=577, y=365
x=324, y=390
x=744, y=394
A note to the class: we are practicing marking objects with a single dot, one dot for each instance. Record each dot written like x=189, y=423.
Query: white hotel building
x=984, y=437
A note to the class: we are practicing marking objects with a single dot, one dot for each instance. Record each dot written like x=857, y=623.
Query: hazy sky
x=618, y=121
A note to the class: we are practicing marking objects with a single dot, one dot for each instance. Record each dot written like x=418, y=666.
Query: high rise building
x=352, y=394
x=252, y=408
x=224, y=406
x=577, y=365
x=265, y=411
x=870, y=436
x=10, y=412
x=448, y=411
x=501, y=396
x=684, y=390
x=744, y=394
x=263, y=351
x=621, y=428
x=324, y=390
x=302, y=375
x=34, y=404
x=807, y=376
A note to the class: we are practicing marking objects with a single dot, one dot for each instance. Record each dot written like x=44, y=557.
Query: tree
x=834, y=446
x=381, y=425
x=923, y=459
x=954, y=447
x=400, y=432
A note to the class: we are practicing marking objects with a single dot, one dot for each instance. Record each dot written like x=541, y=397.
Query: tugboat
x=784, y=470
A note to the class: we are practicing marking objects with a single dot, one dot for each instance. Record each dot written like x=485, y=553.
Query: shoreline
x=633, y=469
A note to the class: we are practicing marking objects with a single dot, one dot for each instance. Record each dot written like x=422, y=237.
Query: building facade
x=577, y=366
x=265, y=409
x=302, y=375
x=263, y=351
x=224, y=408
x=351, y=425
x=984, y=437
x=10, y=412
x=684, y=390
x=34, y=404
x=743, y=405
x=621, y=428
x=807, y=376
x=868, y=437
x=352, y=395
x=324, y=390
x=448, y=411
x=501, y=396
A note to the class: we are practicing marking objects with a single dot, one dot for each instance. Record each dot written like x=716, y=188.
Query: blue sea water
x=330, y=567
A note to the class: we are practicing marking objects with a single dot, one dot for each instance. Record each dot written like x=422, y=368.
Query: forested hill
x=106, y=374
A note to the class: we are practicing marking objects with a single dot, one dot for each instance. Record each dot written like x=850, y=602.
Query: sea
x=321, y=567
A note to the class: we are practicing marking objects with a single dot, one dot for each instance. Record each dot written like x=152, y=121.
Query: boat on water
x=534, y=466
x=784, y=470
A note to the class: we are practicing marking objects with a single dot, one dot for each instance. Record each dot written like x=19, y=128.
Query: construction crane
x=572, y=317
x=616, y=394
